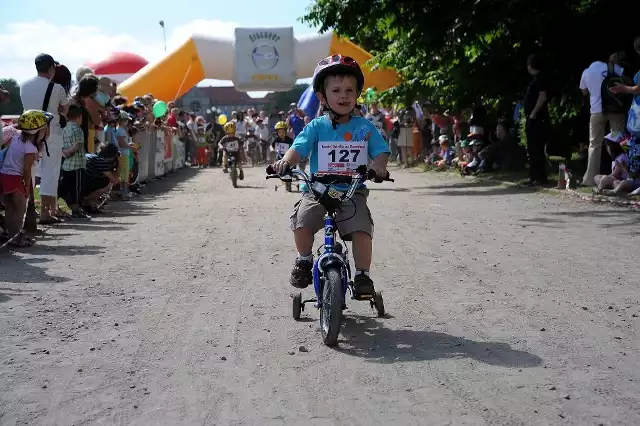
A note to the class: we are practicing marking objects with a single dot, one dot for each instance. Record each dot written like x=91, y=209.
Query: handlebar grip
x=371, y=175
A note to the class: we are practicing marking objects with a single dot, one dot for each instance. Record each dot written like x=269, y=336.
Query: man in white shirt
x=32, y=94
x=193, y=138
x=591, y=85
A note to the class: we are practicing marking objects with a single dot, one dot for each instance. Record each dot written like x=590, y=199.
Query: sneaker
x=225, y=170
x=363, y=287
x=79, y=214
x=301, y=275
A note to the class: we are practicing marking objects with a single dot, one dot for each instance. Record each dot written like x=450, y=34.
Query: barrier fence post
x=159, y=157
x=151, y=159
x=168, y=150
x=143, y=155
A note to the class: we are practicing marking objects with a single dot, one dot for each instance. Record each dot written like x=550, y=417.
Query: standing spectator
x=15, y=176
x=4, y=97
x=86, y=90
x=376, y=117
x=263, y=133
x=33, y=95
x=192, y=127
x=123, y=139
x=591, y=86
x=74, y=163
x=172, y=120
x=536, y=110
x=295, y=121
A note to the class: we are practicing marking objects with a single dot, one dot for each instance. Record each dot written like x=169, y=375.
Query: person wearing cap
x=32, y=94
x=442, y=157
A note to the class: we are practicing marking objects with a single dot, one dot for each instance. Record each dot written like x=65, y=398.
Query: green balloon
x=159, y=109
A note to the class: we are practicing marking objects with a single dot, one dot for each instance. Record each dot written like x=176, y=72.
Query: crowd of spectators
x=85, y=155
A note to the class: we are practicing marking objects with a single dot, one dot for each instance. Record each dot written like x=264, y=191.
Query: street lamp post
x=164, y=35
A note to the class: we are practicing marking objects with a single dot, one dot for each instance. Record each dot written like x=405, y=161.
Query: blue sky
x=73, y=35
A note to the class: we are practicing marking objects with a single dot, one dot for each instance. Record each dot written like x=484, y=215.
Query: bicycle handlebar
x=362, y=174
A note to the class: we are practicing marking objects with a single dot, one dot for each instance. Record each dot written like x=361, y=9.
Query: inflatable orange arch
x=199, y=58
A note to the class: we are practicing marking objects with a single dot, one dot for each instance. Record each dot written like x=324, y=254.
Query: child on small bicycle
x=337, y=143
x=230, y=142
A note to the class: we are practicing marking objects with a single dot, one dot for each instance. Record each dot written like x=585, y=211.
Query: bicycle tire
x=234, y=177
x=331, y=309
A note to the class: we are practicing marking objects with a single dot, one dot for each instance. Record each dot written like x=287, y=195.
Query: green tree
x=14, y=106
x=282, y=100
x=457, y=52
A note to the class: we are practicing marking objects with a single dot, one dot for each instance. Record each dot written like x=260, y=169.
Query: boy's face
x=78, y=120
x=466, y=150
x=282, y=133
x=341, y=93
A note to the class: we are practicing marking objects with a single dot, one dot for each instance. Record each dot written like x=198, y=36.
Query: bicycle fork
x=332, y=256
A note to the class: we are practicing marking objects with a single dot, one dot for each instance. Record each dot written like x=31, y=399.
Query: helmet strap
x=334, y=116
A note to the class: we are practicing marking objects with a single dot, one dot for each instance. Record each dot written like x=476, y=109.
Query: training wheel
x=297, y=306
x=378, y=303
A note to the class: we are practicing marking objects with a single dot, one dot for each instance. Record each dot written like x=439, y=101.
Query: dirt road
x=506, y=308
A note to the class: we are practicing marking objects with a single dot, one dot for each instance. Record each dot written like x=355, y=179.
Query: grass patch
x=61, y=204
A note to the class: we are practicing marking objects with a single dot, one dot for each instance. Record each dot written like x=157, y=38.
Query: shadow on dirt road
x=376, y=343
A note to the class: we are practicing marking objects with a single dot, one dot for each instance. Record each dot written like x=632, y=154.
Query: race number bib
x=281, y=148
x=341, y=157
x=233, y=146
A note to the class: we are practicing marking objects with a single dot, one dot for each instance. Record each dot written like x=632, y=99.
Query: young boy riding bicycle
x=337, y=143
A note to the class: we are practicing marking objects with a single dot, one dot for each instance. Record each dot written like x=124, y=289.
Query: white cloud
x=74, y=45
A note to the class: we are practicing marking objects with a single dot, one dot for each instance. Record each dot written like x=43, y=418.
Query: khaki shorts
x=308, y=213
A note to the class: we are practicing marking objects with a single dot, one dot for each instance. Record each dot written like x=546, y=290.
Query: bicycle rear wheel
x=332, y=303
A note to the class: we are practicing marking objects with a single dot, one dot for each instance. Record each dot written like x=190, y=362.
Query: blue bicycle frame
x=331, y=253
x=330, y=256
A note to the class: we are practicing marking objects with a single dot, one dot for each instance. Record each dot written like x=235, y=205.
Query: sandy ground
x=506, y=307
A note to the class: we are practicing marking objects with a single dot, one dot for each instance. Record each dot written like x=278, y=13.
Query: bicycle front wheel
x=332, y=303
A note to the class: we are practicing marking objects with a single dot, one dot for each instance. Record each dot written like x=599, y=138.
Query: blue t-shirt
x=357, y=129
x=296, y=123
x=632, y=125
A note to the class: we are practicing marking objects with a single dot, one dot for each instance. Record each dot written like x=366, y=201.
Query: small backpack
x=613, y=103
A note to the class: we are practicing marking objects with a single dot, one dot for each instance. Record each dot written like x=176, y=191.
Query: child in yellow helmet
x=16, y=174
x=231, y=143
x=281, y=143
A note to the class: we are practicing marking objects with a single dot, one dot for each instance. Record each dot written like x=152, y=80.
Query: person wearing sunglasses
x=337, y=142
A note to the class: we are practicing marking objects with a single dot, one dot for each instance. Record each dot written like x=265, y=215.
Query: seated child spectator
x=503, y=153
x=443, y=156
x=465, y=157
x=619, y=180
x=476, y=146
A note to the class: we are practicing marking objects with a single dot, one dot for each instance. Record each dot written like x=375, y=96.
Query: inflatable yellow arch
x=203, y=57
